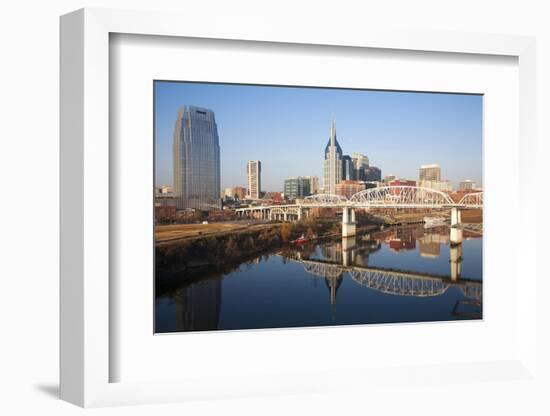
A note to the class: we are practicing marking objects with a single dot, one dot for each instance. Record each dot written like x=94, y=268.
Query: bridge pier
x=348, y=222
x=456, y=233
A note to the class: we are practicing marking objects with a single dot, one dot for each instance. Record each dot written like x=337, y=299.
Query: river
x=400, y=274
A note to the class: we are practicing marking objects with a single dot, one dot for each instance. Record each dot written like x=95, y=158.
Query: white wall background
x=29, y=101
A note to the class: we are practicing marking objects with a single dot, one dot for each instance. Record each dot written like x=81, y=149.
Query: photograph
x=300, y=206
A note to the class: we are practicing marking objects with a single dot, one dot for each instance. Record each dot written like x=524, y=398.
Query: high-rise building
x=332, y=167
x=313, y=184
x=360, y=164
x=298, y=187
x=372, y=174
x=254, y=174
x=348, y=168
x=196, y=159
x=467, y=184
x=429, y=173
x=430, y=177
x=362, y=170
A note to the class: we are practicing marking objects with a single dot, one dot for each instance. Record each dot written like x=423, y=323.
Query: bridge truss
x=475, y=198
x=402, y=196
x=395, y=197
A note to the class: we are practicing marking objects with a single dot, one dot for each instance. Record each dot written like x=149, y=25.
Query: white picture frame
x=85, y=211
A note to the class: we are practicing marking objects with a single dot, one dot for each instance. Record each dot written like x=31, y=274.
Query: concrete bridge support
x=348, y=222
x=456, y=233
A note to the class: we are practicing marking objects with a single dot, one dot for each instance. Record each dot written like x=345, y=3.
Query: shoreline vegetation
x=245, y=242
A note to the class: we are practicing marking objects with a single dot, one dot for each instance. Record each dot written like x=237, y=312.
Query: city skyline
x=287, y=129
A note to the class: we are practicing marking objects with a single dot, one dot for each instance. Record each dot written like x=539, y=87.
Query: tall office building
x=430, y=177
x=196, y=159
x=429, y=173
x=313, y=184
x=333, y=162
x=372, y=174
x=254, y=175
x=360, y=165
x=298, y=187
x=348, y=168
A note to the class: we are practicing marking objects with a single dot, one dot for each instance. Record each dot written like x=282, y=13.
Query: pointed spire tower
x=332, y=172
x=333, y=132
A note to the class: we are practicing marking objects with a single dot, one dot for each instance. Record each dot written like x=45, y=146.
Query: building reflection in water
x=198, y=305
x=333, y=283
x=430, y=243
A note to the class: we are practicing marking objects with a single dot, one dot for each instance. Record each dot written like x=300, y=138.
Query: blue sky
x=287, y=129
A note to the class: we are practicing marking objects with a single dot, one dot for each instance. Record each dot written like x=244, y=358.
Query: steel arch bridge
x=326, y=200
x=475, y=198
x=402, y=196
x=395, y=197
x=386, y=197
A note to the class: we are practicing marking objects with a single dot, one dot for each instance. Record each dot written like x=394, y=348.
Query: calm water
x=396, y=275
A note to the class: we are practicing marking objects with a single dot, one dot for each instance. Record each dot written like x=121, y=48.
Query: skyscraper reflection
x=198, y=305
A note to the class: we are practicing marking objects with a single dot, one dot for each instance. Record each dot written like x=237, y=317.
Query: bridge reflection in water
x=404, y=272
x=350, y=258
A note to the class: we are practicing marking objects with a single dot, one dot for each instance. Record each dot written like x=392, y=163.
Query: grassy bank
x=233, y=248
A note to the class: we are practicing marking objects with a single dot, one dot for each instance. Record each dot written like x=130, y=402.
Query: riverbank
x=166, y=234
x=184, y=248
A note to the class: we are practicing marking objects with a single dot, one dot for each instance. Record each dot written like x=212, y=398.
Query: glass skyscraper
x=196, y=163
x=348, y=168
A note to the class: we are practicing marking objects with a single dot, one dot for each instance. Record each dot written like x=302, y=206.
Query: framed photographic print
x=236, y=209
x=302, y=230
